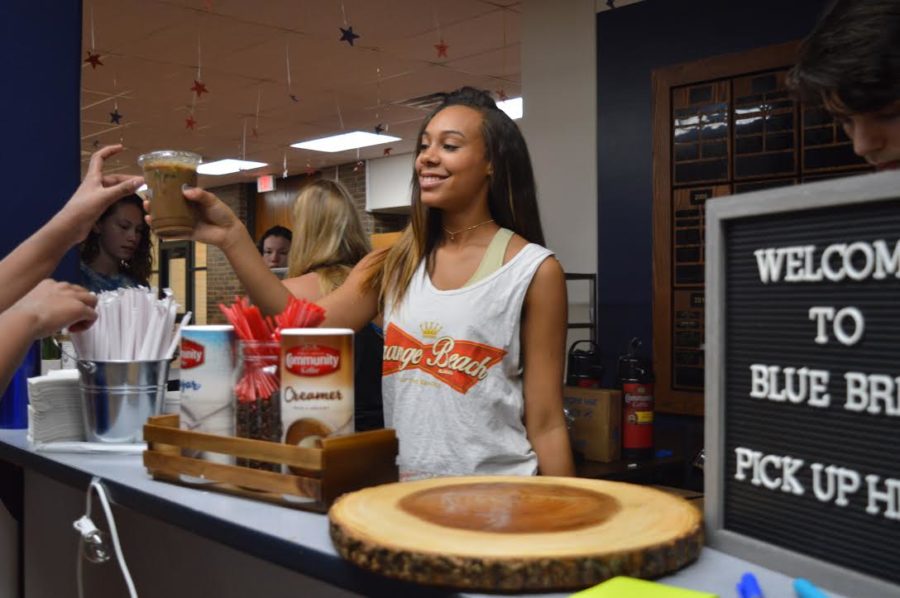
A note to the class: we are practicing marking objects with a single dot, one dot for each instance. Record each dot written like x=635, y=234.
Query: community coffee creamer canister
x=207, y=379
x=316, y=384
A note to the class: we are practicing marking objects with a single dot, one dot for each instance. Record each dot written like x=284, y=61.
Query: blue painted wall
x=40, y=65
x=632, y=41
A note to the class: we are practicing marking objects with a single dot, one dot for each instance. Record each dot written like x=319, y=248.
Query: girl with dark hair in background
x=116, y=252
x=474, y=307
x=274, y=246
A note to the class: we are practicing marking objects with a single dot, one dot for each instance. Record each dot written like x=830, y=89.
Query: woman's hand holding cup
x=216, y=223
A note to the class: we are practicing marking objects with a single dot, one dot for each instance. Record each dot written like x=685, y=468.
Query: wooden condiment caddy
x=319, y=475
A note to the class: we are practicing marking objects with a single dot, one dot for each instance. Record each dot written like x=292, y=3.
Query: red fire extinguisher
x=636, y=382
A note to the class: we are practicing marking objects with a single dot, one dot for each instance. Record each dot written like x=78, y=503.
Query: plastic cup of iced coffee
x=166, y=172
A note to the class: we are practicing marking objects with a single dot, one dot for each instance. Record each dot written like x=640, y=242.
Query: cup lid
x=188, y=158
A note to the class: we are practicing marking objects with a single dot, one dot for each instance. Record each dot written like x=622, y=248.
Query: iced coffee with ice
x=166, y=172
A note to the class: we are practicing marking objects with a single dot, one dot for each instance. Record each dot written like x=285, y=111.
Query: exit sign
x=265, y=183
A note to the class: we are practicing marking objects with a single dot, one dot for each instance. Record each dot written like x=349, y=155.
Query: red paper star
x=199, y=88
x=441, y=48
x=387, y=151
x=93, y=60
x=189, y=122
x=501, y=95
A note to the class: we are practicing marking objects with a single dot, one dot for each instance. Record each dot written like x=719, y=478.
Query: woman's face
x=275, y=251
x=451, y=166
x=120, y=233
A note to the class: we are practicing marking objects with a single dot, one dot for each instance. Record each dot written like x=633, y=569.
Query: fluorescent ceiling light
x=512, y=107
x=228, y=166
x=344, y=141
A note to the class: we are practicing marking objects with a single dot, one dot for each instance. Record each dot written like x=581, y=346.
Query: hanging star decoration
x=358, y=166
x=501, y=95
x=387, y=151
x=441, y=48
x=380, y=128
x=115, y=117
x=199, y=88
x=294, y=98
x=96, y=143
x=93, y=60
x=347, y=34
x=611, y=3
x=310, y=170
x=189, y=122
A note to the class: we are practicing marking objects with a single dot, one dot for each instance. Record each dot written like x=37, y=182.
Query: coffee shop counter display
x=515, y=534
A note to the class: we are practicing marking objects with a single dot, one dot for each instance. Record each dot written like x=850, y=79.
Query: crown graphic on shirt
x=430, y=329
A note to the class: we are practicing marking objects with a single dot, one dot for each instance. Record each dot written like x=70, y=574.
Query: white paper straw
x=132, y=325
x=170, y=352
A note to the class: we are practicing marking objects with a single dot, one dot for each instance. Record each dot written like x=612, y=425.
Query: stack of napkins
x=54, y=409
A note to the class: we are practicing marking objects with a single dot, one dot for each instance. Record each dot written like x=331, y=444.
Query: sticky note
x=629, y=587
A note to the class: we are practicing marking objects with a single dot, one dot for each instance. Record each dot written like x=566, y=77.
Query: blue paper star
x=115, y=117
x=347, y=35
x=380, y=128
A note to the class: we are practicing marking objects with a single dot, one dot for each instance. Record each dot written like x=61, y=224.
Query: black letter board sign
x=803, y=381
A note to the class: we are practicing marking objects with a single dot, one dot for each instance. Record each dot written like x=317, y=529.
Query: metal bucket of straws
x=118, y=397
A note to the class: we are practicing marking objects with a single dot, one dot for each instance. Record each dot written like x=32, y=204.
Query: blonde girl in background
x=327, y=242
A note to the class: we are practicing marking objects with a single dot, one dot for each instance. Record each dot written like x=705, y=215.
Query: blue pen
x=749, y=587
x=805, y=589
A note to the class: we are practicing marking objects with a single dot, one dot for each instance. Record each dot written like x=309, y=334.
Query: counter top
x=294, y=539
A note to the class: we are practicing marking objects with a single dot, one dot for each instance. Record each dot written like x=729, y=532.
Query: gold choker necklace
x=468, y=228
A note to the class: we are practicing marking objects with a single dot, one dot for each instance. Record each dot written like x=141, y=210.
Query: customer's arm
x=36, y=257
x=49, y=307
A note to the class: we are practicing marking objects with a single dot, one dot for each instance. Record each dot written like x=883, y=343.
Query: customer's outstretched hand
x=97, y=192
x=52, y=306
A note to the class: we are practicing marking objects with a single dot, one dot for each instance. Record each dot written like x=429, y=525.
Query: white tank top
x=452, y=374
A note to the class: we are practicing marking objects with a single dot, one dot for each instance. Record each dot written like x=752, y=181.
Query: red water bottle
x=636, y=382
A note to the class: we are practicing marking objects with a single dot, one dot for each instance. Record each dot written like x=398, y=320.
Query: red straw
x=250, y=325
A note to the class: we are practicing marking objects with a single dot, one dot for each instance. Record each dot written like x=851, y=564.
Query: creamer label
x=192, y=354
x=312, y=360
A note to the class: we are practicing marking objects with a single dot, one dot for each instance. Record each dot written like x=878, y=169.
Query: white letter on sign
x=889, y=496
x=744, y=461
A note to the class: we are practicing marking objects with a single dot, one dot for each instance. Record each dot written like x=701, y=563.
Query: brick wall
x=221, y=282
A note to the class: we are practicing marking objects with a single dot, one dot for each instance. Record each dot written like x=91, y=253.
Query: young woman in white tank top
x=474, y=307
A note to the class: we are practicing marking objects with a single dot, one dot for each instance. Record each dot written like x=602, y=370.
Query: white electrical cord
x=89, y=532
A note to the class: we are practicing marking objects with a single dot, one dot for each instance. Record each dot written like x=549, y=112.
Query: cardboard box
x=596, y=431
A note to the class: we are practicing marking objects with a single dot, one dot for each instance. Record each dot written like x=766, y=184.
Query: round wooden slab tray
x=515, y=533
